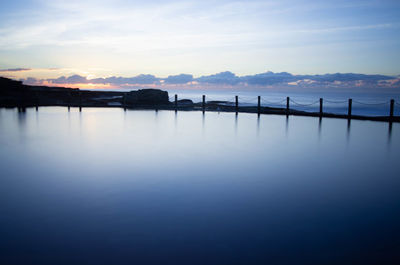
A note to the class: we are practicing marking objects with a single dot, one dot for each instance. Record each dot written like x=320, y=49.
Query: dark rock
x=147, y=97
x=185, y=102
x=218, y=102
x=8, y=83
x=14, y=93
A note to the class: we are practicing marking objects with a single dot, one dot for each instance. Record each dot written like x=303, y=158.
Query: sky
x=49, y=38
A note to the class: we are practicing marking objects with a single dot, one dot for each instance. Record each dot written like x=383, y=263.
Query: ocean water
x=106, y=186
x=366, y=103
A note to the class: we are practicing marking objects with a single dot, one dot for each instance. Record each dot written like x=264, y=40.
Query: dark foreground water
x=111, y=187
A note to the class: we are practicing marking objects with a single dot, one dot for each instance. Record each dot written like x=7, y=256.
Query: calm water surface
x=141, y=187
x=366, y=103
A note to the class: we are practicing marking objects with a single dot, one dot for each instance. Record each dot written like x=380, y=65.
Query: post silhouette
x=320, y=107
x=124, y=101
x=350, y=106
x=287, y=105
x=36, y=101
x=259, y=105
x=391, y=109
x=80, y=101
x=69, y=101
x=176, y=102
x=237, y=103
x=204, y=103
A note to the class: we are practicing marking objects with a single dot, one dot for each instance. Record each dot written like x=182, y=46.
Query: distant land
x=227, y=80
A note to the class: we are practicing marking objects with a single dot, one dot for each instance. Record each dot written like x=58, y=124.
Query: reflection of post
x=390, y=122
x=19, y=103
x=320, y=107
x=319, y=126
x=21, y=118
x=236, y=122
x=204, y=103
x=176, y=102
x=348, y=129
x=287, y=105
x=237, y=103
x=350, y=106
x=287, y=125
x=259, y=105
x=175, y=120
x=391, y=109
x=203, y=118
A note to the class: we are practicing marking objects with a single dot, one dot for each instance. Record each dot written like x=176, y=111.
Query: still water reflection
x=141, y=187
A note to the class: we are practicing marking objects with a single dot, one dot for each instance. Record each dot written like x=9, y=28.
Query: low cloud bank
x=229, y=79
x=15, y=69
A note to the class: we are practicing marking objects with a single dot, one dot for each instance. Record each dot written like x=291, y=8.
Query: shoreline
x=14, y=94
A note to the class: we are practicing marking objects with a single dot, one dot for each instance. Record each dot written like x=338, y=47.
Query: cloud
x=140, y=79
x=224, y=79
x=179, y=79
x=227, y=78
x=78, y=79
x=31, y=81
x=269, y=78
x=15, y=70
x=74, y=79
x=348, y=77
x=349, y=28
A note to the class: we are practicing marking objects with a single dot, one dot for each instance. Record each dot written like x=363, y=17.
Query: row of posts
x=321, y=102
x=21, y=107
x=349, y=114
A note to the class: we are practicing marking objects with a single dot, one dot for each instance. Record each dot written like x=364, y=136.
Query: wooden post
x=80, y=101
x=391, y=109
x=259, y=105
x=237, y=103
x=69, y=101
x=36, y=101
x=350, y=105
x=287, y=105
x=320, y=107
x=176, y=102
x=125, y=101
x=204, y=103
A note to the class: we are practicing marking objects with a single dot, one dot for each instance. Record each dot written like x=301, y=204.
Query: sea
x=108, y=186
x=365, y=101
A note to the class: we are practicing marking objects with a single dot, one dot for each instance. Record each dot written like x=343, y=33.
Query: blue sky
x=127, y=38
